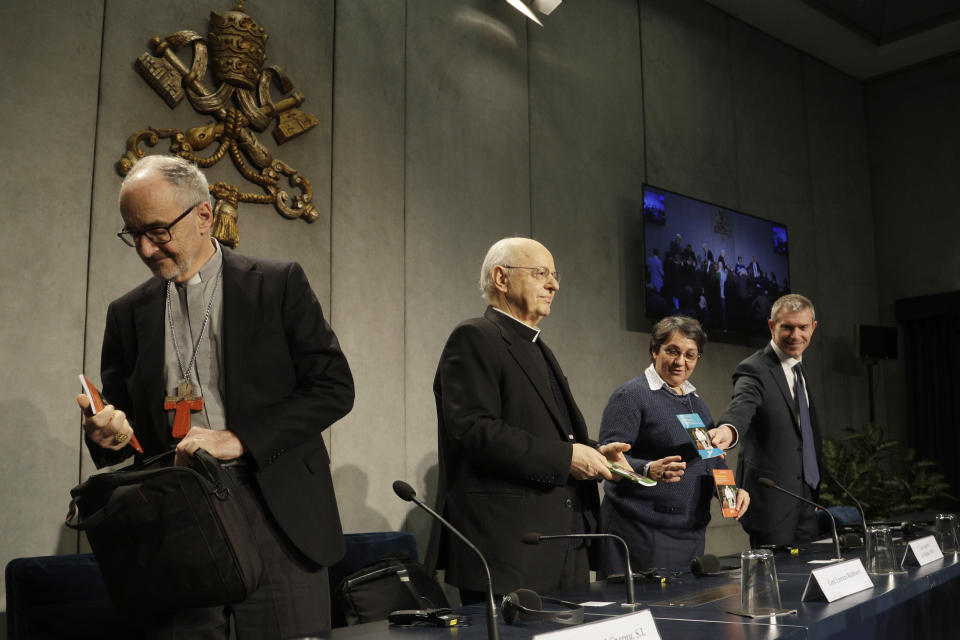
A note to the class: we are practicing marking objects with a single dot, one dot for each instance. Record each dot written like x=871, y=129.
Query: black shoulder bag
x=168, y=537
x=391, y=583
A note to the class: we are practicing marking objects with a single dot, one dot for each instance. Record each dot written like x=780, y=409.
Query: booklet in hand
x=632, y=476
x=97, y=403
x=726, y=491
x=698, y=435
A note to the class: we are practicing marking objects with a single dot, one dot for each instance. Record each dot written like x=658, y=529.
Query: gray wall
x=49, y=110
x=444, y=125
x=914, y=158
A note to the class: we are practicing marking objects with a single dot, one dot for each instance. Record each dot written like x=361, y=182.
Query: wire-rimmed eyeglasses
x=673, y=353
x=540, y=273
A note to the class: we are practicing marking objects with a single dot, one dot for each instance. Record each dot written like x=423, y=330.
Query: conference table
x=915, y=603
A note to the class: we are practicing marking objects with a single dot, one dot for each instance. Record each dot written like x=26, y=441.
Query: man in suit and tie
x=772, y=414
x=515, y=456
x=243, y=344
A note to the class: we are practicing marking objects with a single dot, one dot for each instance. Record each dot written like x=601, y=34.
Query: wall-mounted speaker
x=876, y=343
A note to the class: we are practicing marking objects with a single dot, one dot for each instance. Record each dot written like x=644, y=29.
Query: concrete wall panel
x=914, y=152
x=772, y=156
x=586, y=170
x=369, y=445
x=688, y=100
x=846, y=265
x=467, y=185
x=49, y=105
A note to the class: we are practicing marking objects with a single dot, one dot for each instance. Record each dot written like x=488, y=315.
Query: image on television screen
x=721, y=266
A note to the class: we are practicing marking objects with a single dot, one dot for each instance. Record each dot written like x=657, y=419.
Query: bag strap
x=76, y=522
x=387, y=566
x=204, y=464
x=72, y=513
x=209, y=467
x=154, y=460
x=405, y=580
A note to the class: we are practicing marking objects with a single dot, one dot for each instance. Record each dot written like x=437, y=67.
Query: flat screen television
x=721, y=266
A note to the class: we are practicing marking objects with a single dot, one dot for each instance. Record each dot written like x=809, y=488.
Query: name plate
x=922, y=551
x=633, y=626
x=837, y=581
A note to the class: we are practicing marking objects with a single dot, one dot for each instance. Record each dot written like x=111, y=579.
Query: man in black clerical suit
x=773, y=416
x=248, y=336
x=515, y=456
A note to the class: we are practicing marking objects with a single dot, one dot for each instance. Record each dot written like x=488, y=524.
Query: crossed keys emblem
x=241, y=104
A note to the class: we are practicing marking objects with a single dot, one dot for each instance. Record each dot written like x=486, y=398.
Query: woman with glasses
x=664, y=525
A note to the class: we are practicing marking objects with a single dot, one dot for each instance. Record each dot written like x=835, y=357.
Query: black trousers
x=291, y=600
x=799, y=525
x=650, y=547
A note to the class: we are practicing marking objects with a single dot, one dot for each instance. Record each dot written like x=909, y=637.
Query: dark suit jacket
x=504, y=459
x=286, y=381
x=762, y=410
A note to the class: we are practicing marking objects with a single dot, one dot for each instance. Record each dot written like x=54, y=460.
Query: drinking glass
x=881, y=557
x=759, y=591
x=947, y=532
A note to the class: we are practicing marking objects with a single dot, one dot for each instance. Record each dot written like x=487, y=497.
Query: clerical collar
x=209, y=270
x=655, y=382
x=789, y=361
x=526, y=331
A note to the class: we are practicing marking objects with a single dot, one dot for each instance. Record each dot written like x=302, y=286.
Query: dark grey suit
x=763, y=411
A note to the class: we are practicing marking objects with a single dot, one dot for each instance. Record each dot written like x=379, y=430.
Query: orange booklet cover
x=98, y=403
x=726, y=491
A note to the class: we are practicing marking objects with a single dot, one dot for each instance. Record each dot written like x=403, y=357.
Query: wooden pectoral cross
x=183, y=403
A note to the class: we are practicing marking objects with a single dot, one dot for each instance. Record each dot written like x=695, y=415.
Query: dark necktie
x=811, y=470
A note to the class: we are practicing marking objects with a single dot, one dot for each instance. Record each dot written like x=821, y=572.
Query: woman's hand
x=743, y=502
x=669, y=469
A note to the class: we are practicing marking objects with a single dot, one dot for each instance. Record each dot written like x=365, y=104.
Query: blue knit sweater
x=647, y=419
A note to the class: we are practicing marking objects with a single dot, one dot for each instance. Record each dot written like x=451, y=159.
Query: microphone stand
x=836, y=540
x=867, y=543
x=405, y=492
x=536, y=538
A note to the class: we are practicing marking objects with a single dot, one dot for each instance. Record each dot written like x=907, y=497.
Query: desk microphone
x=709, y=565
x=836, y=541
x=535, y=538
x=406, y=492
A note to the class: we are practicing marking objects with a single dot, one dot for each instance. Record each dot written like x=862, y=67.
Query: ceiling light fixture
x=522, y=7
x=546, y=7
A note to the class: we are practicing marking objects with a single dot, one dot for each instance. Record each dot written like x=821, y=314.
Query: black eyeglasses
x=156, y=235
x=540, y=273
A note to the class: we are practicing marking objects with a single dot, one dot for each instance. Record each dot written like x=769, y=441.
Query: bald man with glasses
x=515, y=456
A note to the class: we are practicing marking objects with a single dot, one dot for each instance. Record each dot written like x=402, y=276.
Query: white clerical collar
x=210, y=269
x=787, y=361
x=656, y=382
x=536, y=331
